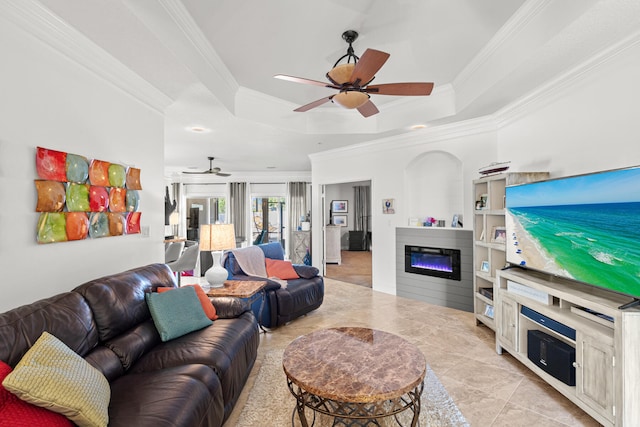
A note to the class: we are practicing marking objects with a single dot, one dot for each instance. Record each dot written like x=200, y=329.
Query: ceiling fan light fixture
x=350, y=99
x=341, y=73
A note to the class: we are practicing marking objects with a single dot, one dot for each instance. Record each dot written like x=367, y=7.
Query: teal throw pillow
x=177, y=313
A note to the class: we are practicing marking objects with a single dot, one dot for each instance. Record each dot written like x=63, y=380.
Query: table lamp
x=216, y=238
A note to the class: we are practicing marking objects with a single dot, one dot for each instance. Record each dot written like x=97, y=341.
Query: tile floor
x=489, y=389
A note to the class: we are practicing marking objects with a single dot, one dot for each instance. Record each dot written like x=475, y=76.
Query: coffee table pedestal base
x=356, y=414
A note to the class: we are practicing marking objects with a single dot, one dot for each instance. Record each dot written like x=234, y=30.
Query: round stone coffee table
x=356, y=375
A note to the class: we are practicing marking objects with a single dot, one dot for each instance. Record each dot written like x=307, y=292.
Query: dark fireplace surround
x=437, y=262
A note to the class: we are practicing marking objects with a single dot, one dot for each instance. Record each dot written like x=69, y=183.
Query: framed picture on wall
x=387, y=206
x=339, y=220
x=339, y=206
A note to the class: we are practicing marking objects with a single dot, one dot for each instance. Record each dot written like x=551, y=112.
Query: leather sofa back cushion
x=131, y=345
x=118, y=301
x=65, y=315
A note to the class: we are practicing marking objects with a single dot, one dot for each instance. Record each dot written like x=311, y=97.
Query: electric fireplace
x=437, y=262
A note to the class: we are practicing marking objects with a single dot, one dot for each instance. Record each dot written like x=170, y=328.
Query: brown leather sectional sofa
x=193, y=380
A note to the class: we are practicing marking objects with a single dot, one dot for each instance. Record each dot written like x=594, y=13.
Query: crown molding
x=556, y=87
x=520, y=20
x=415, y=138
x=40, y=22
x=194, y=35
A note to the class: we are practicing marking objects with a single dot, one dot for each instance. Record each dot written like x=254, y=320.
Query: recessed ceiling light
x=271, y=167
x=416, y=127
x=198, y=129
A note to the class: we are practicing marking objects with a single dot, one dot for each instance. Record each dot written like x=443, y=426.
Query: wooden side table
x=244, y=289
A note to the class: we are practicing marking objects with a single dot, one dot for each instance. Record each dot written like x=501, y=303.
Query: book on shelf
x=486, y=292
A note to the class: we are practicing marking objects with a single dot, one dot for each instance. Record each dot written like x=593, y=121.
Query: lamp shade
x=217, y=237
x=341, y=74
x=174, y=218
x=350, y=99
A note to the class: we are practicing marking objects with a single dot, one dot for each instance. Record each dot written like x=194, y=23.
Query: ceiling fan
x=353, y=80
x=211, y=170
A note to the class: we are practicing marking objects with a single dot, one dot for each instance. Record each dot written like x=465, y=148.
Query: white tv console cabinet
x=607, y=352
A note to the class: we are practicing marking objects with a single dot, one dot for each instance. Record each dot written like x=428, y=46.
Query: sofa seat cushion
x=298, y=298
x=228, y=346
x=189, y=395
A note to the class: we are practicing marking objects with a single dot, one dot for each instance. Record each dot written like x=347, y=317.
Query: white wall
x=586, y=121
x=385, y=163
x=588, y=125
x=49, y=100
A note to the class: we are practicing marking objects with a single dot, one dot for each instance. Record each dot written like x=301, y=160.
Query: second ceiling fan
x=353, y=79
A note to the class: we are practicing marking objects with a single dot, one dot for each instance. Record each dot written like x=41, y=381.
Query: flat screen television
x=583, y=227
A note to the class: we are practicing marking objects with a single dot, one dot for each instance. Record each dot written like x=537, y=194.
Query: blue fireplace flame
x=432, y=262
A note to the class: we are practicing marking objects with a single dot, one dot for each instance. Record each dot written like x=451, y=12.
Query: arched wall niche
x=435, y=186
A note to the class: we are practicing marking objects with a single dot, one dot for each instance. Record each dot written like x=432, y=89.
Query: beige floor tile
x=489, y=389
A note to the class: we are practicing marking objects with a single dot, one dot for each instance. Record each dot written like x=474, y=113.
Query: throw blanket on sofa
x=251, y=261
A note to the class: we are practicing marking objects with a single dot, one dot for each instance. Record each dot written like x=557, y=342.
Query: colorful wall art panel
x=80, y=198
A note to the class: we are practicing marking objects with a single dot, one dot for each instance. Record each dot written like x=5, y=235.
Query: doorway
x=268, y=219
x=354, y=218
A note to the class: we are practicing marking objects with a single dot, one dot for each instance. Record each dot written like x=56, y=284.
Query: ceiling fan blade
x=304, y=81
x=402, y=89
x=196, y=173
x=223, y=174
x=368, y=109
x=368, y=65
x=313, y=104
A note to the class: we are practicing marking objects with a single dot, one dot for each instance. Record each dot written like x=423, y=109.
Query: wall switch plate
x=144, y=230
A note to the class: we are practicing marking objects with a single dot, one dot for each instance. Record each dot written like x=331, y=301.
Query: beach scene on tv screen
x=585, y=228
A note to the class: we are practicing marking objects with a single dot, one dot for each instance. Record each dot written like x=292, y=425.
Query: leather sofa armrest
x=228, y=307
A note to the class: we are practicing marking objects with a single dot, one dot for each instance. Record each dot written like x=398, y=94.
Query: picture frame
x=498, y=234
x=387, y=206
x=484, y=267
x=340, y=220
x=339, y=206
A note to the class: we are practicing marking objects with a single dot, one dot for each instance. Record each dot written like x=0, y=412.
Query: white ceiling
x=215, y=61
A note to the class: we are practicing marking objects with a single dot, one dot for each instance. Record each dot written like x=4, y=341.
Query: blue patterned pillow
x=177, y=313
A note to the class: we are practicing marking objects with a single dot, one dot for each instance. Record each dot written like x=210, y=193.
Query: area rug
x=270, y=403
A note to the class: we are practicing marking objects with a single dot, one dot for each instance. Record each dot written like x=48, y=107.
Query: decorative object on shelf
x=83, y=193
x=217, y=238
x=498, y=234
x=339, y=206
x=387, y=206
x=168, y=206
x=429, y=221
x=495, y=167
x=485, y=266
x=456, y=222
x=339, y=220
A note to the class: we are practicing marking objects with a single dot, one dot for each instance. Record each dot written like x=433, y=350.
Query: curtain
x=298, y=205
x=238, y=209
x=362, y=212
